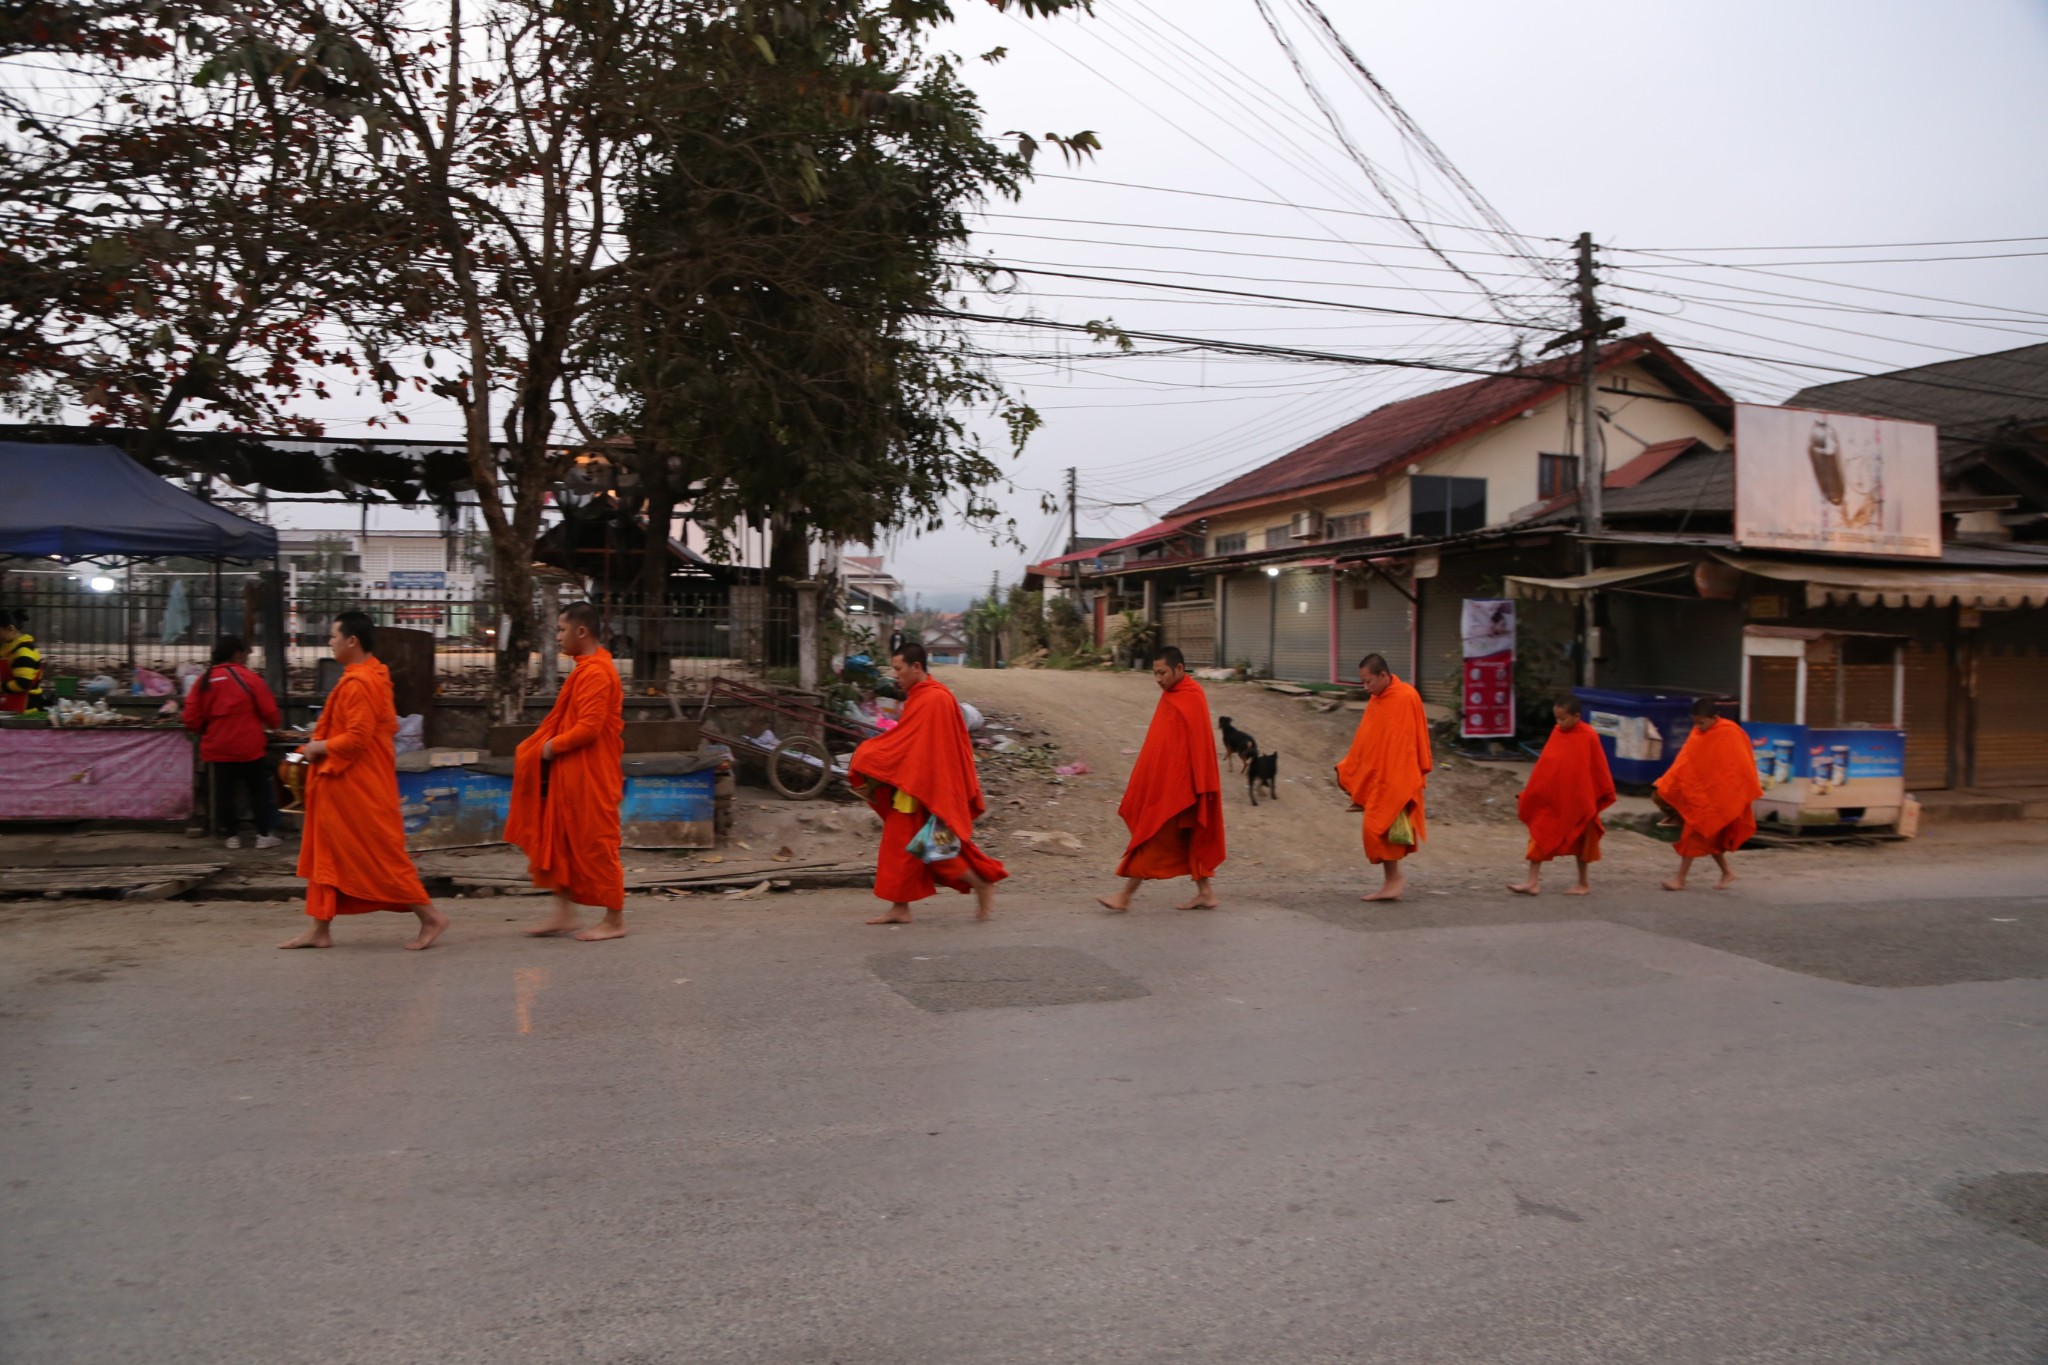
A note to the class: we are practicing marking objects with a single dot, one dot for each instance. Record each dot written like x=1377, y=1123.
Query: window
x=1556, y=475
x=1229, y=545
x=1350, y=526
x=1439, y=506
x=1279, y=537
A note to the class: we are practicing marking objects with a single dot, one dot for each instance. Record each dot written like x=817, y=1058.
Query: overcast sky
x=1681, y=129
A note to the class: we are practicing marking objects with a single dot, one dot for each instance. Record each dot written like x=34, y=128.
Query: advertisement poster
x=1489, y=678
x=1835, y=483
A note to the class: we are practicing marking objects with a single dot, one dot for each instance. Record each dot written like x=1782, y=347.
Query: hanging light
x=100, y=582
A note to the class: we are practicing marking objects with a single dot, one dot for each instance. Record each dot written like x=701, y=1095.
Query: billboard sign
x=1488, y=689
x=1835, y=483
x=419, y=580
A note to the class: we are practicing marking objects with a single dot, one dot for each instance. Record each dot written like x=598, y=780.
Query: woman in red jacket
x=231, y=708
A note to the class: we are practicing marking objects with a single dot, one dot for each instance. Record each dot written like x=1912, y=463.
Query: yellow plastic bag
x=1402, y=833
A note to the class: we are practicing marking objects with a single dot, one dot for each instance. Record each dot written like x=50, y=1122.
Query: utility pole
x=1592, y=329
x=995, y=635
x=1592, y=464
x=1073, y=509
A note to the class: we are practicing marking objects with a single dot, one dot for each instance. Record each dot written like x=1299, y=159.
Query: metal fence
x=89, y=621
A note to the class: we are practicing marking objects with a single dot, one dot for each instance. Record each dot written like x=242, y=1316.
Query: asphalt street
x=1637, y=1128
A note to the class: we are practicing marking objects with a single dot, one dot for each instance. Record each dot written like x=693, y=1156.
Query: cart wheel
x=799, y=768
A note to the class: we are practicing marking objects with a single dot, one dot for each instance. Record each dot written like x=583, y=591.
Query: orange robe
x=1566, y=793
x=352, y=853
x=565, y=814
x=1711, y=784
x=1387, y=768
x=928, y=758
x=1173, y=804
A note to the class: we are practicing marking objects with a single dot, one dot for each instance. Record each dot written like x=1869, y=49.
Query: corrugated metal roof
x=1968, y=399
x=1405, y=431
x=1697, y=480
x=1159, y=531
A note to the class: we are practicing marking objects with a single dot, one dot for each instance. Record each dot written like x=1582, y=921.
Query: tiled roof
x=1401, y=433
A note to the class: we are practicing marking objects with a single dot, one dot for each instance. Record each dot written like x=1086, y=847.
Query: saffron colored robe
x=567, y=819
x=352, y=853
x=1173, y=804
x=1569, y=788
x=1387, y=768
x=929, y=759
x=1711, y=784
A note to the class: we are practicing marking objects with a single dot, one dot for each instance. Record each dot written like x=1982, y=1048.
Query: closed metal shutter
x=1191, y=627
x=2011, y=680
x=1440, y=666
x=2012, y=724
x=1372, y=618
x=1248, y=622
x=1928, y=679
x=1301, y=631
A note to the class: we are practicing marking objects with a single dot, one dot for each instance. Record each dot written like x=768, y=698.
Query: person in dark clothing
x=231, y=709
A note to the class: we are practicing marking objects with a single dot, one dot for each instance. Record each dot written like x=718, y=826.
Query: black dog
x=1236, y=743
x=1263, y=771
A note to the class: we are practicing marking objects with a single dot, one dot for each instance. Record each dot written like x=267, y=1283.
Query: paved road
x=764, y=1133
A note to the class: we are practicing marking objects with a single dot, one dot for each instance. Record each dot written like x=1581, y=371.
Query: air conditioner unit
x=1306, y=526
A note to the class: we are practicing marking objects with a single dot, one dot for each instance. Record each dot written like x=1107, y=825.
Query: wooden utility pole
x=1592, y=462
x=1591, y=331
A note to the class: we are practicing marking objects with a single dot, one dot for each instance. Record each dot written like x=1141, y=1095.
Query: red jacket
x=230, y=707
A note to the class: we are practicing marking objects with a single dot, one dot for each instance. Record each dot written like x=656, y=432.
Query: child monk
x=1709, y=788
x=567, y=780
x=1385, y=772
x=352, y=852
x=1562, y=803
x=1173, y=804
x=921, y=769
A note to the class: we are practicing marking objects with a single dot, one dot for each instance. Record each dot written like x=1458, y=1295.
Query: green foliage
x=1134, y=639
x=1029, y=629
x=1067, y=630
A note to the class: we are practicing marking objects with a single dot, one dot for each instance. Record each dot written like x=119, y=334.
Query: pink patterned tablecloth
x=95, y=775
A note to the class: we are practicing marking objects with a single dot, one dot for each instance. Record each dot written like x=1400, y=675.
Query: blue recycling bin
x=1641, y=728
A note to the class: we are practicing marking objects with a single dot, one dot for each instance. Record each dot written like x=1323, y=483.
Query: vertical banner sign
x=1489, y=677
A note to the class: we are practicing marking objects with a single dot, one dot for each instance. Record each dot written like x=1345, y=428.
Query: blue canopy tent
x=93, y=502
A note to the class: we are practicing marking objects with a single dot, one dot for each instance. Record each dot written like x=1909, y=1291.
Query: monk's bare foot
x=611, y=926
x=898, y=914
x=1390, y=892
x=984, y=900
x=433, y=924
x=1116, y=905
x=1525, y=888
x=1580, y=890
x=562, y=920
x=1207, y=902
x=1675, y=884
x=320, y=935
x=1727, y=880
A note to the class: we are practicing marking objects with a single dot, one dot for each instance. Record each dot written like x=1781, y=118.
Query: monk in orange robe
x=1173, y=804
x=352, y=853
x=1386, y=770
x=1562, y=803
x=568, y=778
x=921, y=769
x=1710, y=788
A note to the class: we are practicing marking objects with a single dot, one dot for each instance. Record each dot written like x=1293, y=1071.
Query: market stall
x=92, y=503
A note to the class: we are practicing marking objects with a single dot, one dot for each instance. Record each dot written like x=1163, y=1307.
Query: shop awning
x=1882, y=585
x=1611, y=577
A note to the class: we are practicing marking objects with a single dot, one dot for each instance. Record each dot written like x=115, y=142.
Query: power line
x=1282, y=298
